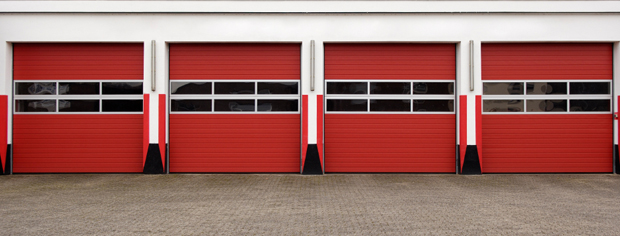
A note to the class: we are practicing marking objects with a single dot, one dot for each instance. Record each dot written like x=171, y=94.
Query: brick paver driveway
x=359, y=204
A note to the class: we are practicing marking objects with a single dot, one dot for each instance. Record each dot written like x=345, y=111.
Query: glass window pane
x=35, y=105
x=390, y=105
x=78, y=88
x=278, y=88
x=433, y=88
x=590, y=105
x=234, y=105
x=347, y=105
x=390, y=88
x=190, y=87
x=278, y=105
x=190, y=105
x=589, y=88
x=546, y=88
x=546, y=105
x=502, y=105
x=122, y=88
x=347, y=88
x=234, y=87
x=502, y=88
x=78, y=105
x=433, y=105
x=121, y=105
x=37, y=88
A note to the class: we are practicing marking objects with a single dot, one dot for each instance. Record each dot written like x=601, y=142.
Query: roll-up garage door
x=390, y=108
x=234, y=107
x=547, y=107
x=77, y=107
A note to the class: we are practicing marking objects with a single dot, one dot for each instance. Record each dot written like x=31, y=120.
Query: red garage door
x=234, y=108
x=77, y=107
x=547, y=108
x=390, y=108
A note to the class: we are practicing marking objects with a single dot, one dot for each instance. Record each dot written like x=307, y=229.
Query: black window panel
x=121, y=105
x=121, y=88
x=433, y=88
x=502, y=105
x=234, y=87
x=545, y=88
x=37, y=88
x=502, y=88
x=546, y=105
x=589, y=88
x=190, y=87
x=278, y=88
x=190, y=105
x=590, y=105
x=278, y=105
x=390, y=88
x=78, y=105
x=234, y=105
x=347, y=88
x=390, y=105
x=35, y=105
x=433, y=105
x=347, y=105
x=78, y=88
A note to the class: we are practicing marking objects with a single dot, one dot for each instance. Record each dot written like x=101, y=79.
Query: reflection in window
x=546, y=105
x=347, y=88
x=347, y=105
x=121, y=87
x=277, y=105
x=234, y=105
x=433, y=105
x=390, y=105
x=121, y=105
x=234, y=87
x=277, y=88
x=190, y=105
x=589, y=88
x=502, y=105
x=433, y=88
x=390, y=88
x=546, y=88
x=502, y=88
x=585, y=105
x=78, y=105
x=190, y=87
x=37, y=88
x=35, y=105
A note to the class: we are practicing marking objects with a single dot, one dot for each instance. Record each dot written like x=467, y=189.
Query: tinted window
x=347, y=88
x=390, y=105
x=502, y=105
x=121, y=105
x=277, y=88
x=546, y=88
x=546, y=105
x=78, y=88
x=234, y=105
x=234, y=87
x=122, y=88
x=589, y=105
x=44, y=88
x=78, y=105
x=347, y=105
x=433, y=88
x=502, y=88
x=190, y=87
x=433, y=105
x=190, y=105
x=390, y=88
x=35, y=105
x=589, y=88
x=277, y=105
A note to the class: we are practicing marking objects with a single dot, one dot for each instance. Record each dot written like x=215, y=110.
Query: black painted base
x=153, y=164
x=312, y=165
x=8, y=161
x=616, y=160
x=471, y=163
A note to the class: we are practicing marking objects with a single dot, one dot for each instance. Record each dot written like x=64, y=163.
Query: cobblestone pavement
x=269, y=204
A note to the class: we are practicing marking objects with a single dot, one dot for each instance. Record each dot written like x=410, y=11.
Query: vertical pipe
x=153, y=84
x=471, y=65
x=312, y=65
